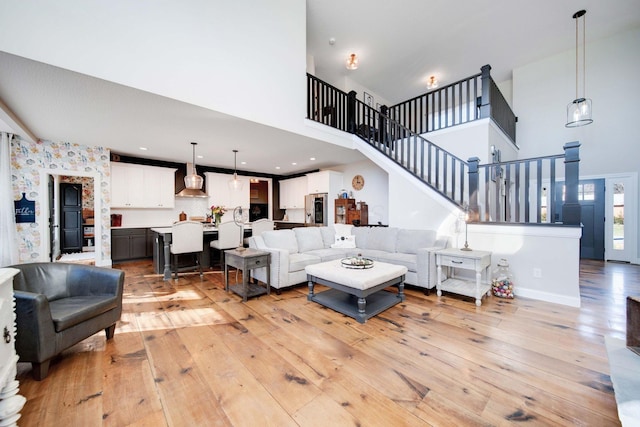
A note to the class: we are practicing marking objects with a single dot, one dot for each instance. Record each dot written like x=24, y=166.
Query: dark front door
x=591, y=199
x=70, y=218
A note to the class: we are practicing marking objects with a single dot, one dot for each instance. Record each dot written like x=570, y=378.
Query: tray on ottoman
x=357, y=293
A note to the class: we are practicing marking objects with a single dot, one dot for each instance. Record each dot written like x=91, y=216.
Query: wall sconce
x=352, y=62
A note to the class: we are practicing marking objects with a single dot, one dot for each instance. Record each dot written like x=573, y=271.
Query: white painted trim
x=565, y=231
x=44, y=209
x=546, y=296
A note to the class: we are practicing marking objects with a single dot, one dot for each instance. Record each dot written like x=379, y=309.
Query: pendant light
x=235, y=184
x=193, y=181
x=579, y=110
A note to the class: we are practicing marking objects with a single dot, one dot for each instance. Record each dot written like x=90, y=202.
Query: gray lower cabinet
x=131, y=243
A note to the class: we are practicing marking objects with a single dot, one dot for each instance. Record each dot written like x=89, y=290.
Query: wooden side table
x=246, y=261
x=478, y=261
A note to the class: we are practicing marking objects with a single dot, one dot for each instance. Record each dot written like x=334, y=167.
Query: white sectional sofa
x=292, y=250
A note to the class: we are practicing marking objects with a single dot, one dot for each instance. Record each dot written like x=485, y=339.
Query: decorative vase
x=217, y=220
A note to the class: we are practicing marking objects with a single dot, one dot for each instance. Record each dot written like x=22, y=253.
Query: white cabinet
x=292, y=192
x=126, y=185
x=324, y=182
x=159, y=187
x=10, y=402
x=138, y=186
x=221, y=195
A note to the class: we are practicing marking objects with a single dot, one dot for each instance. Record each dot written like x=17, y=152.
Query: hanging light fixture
x=579, y=110
x=192, y=182
x=235, y=184
x=352, y=62
x=433, y=83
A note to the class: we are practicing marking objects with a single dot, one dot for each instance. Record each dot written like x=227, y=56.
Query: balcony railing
x=469, y=99
x=520, y=191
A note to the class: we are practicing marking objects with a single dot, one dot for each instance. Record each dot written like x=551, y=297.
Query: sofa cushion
x=329, y=254
x=281, y=239
x=381, y=238
x=409, y=241
x=309, y=238
x=408, y=260
x=361, y=236
x=373, y=254
x=68, y=312
x=299, y=261
x=328, y=235
x=343, y=229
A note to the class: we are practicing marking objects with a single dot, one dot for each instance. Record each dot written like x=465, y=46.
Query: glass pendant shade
x=235, y=184
x=579, y=113
x=193, y=181
x=579, y=110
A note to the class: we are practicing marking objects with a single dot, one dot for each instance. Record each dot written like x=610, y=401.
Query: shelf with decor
x=347, y=211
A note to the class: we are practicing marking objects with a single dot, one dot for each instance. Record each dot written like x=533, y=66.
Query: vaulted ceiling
x=399, y=44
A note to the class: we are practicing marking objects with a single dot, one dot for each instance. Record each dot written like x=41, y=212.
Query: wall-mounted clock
x=357, y=182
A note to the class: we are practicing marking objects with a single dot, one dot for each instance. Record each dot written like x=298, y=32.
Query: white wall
x=527, y=249
x=375, y=191
x=246, y=59
x=542, y=90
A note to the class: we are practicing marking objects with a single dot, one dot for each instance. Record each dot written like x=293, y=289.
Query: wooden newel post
x=485, y=101
x=474, y=209
x=571, y=210
x=351, y=111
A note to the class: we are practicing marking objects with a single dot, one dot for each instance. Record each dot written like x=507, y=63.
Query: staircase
x=518, y=191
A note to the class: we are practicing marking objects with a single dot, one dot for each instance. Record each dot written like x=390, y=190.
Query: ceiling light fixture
x=352, y=62
x=433, y=83
x=579, y=110
x=193, y=181
x=235, y=184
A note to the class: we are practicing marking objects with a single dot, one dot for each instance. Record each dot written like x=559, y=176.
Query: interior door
x=70, y=218
x=52, y=217
x=591, y=196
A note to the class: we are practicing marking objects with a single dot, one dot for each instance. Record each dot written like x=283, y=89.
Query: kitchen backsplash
x=163, y=217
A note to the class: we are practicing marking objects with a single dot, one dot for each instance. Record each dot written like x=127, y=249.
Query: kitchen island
x=162, y=248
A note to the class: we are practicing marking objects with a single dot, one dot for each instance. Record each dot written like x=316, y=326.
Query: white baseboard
x=548, y=297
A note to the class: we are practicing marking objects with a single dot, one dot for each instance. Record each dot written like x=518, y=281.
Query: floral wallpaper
x=27, y=159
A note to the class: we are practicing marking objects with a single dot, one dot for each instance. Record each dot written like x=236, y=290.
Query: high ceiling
x=400, y=44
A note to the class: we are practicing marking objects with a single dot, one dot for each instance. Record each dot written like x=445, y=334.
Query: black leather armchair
x=59, y=305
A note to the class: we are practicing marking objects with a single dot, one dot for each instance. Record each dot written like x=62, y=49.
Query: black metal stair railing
x=472, y=98
x=520, y=191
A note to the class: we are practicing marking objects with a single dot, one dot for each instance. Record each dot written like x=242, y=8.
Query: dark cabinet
x=131, y=243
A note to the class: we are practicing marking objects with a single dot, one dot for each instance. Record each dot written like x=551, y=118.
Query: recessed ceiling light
x=293, y=163
x=243, y=163
x=277, y=167
x=200, y=156
x=143, y=148
x=312, y=158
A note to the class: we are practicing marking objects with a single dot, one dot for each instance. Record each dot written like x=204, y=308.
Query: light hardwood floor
x=186, y=353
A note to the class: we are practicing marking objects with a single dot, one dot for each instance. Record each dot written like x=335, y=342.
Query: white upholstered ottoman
x=358, y=293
